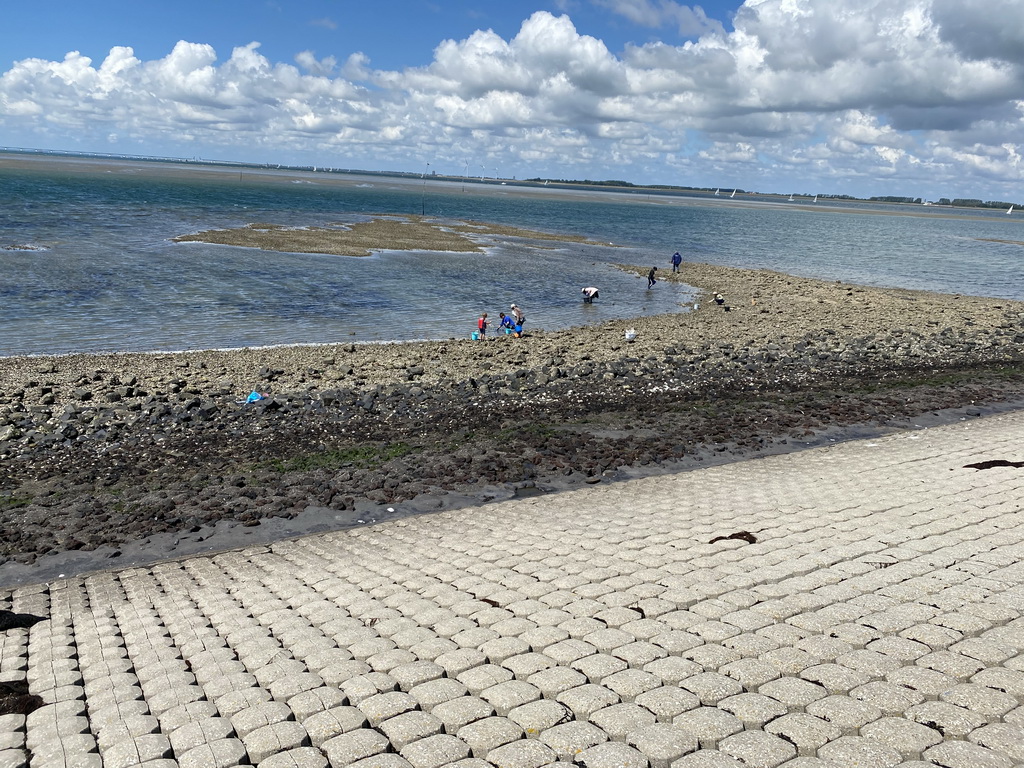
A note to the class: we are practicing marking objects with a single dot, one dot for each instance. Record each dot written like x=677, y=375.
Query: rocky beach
x=129, y=458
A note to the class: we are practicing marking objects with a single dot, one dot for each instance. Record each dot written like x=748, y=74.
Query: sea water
x=87, y=262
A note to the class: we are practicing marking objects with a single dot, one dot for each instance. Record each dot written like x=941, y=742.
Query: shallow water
x=106, y=276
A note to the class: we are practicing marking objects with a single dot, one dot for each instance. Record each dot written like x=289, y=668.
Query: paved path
x=876, y=621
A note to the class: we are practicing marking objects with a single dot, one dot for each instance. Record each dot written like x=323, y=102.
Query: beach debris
x=994, y=463
x=630, y=334
x=746, y=536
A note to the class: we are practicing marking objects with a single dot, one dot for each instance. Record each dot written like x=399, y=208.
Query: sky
x=915, y=98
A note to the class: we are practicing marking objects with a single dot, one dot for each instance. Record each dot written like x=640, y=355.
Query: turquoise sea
x=87, y=263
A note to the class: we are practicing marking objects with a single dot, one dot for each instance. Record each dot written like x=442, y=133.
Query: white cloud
x=850, y=91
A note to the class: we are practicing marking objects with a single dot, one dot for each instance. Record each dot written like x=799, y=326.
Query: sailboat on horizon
x=717, y=191
x=791, y=198
x=1009, y=210
x=733, y=193
x=815, y=199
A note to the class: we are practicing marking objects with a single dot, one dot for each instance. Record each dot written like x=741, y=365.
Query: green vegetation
x=360, y=457
x=10, y=501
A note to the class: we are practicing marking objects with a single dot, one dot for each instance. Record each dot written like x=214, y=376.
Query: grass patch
x=361, y=457
x=11, y=501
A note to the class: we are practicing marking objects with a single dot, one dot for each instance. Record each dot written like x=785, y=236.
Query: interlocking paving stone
x=961, y=754
x=877, y=621
x=757, y=749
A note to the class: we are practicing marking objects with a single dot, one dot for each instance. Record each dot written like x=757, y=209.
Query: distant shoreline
x=183, y=167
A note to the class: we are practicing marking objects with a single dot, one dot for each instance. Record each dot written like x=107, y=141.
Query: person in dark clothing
x=650, y=278
x=676, y=261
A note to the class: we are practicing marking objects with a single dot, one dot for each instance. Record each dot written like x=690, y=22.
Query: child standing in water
x=481, y=325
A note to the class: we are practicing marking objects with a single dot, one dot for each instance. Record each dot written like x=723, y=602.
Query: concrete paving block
x=933, y=636
x=435, y=751
x=606, y=639
x=612, y=755
x=385, y=760
x=527, y=753
x=541, y=637
x=1009, y=681
x=568, y=651
x=712, y=656
x=510, y=694
x=707, y=758
x=790, y=661
x=618, y=720
x=337, y=673
x=383, y=706
x=951, y=721
x=169, y=720
x=757, y=749
x=137, y=750
x=587, y=699
x=302, y=757
x=667, y=702
x=711, y=687
x=237, y=700
x=349, y=747
x=753, y=709
x=555, y=680
x=860, y=751
x=980, y=699
x=671, y=669
x=433, y=692
x=962, y=754
x=504, y=647
x=630, y=683
x=487, y=734
x=13, y=758
x=640, y=653
x=282, y=668
x=200, y=732
x=569, y=739
x=165, y=700
x=274, y=738
x=750, y=645
x=223, y=753
x=662, y=744
x=458, y=712
x=316, y=700
x=385, y=661
x=805, y=731
x=259, y=715
x=1004, y=738
x=952, y=664
x=988, y=651
x=537, y=716
x=889, y=697
x=409, y=727
x=458, y=661
x=751, y=673
x=676, y=641
x=598, y=666
x=708, y=725
x=283, y=689
x=362, y=687
x=58, y=750
x=908, y=738
x=325, y=725
x=484, y=676
x=528, y=663
x=225, y=684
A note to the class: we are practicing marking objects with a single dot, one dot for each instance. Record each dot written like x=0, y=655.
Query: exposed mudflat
x=116, y=459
